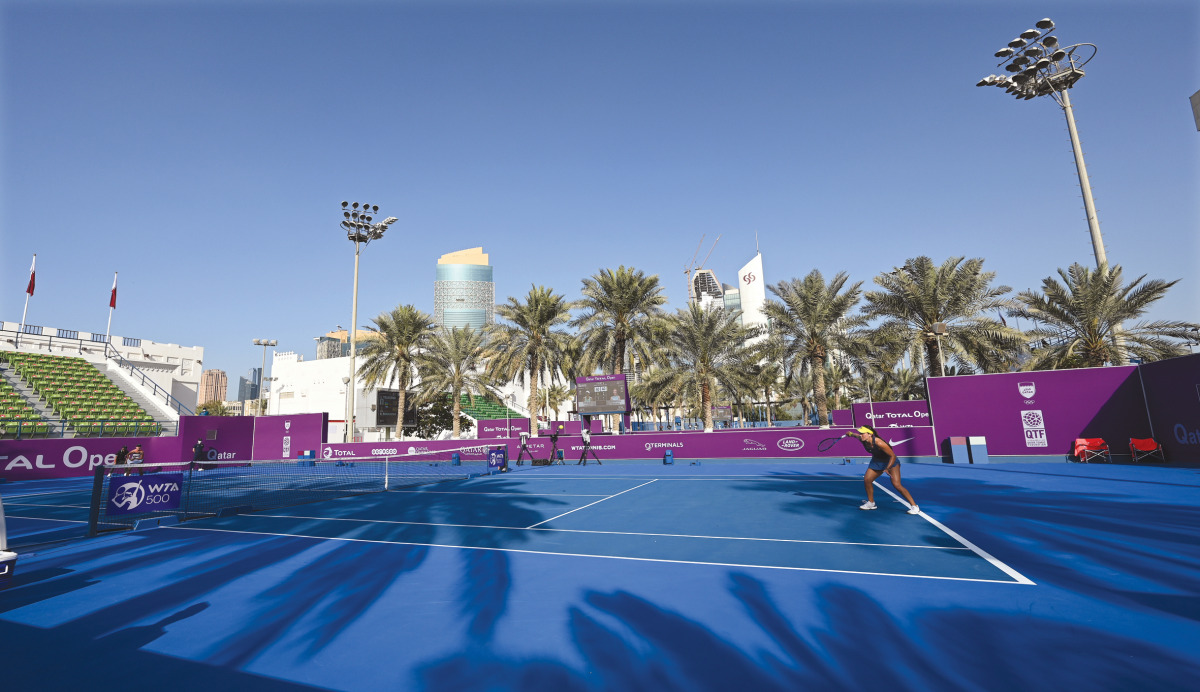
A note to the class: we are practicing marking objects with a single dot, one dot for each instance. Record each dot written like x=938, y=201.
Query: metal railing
x=139, y=376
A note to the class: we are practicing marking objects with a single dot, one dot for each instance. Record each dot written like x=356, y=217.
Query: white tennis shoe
x=913, y=509
x=867, y=505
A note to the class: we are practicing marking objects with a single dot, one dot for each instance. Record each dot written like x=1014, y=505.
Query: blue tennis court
x=630, y=576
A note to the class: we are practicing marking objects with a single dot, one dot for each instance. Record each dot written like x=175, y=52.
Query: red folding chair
x=1088, y=449
x=1145, y=448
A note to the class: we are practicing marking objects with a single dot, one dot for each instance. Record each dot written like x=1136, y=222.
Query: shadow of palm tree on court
x=853, y=643
x=313, y=591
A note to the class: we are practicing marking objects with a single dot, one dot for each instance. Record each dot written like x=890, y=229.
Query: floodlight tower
x=357, y=223
x=1039, y=66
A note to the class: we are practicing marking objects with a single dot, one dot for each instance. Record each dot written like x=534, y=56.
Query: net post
x=386, y=463
x=97, y=494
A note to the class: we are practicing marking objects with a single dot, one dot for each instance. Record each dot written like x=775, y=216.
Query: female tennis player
x=883, y=460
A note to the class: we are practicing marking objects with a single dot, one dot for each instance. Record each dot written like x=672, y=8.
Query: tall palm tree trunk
x=818, y=370
x=706, y=404
x=770, y=423
x=457, y=412
x=400, y=423
x=534, y=369
x=933, y=354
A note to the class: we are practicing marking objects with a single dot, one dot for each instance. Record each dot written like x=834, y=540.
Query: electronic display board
x=387, y=408
x=599, y=394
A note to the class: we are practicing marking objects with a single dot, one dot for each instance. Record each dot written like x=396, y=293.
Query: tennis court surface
x=630, y=576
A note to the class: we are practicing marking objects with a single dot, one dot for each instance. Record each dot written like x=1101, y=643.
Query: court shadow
x=1130, y=548
x=851, y=641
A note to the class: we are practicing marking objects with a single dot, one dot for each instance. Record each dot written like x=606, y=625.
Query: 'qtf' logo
x=749, y=277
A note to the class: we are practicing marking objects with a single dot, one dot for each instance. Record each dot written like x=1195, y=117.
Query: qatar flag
x=112, y=302
x=29, y=288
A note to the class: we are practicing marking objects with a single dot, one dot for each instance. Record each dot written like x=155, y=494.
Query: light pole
x=1039, y=66
x=262, y=373
x=357, y=223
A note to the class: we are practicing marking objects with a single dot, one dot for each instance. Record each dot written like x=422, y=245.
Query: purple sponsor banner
x=144, y=494
x=1040, y=413
x=227, y=438
x=1173, y=399
x=891, y=414
x=502, y=427
x=759, y=443
x=67, y=458
x=843, y=417
x=287, y=437
x=469, y=450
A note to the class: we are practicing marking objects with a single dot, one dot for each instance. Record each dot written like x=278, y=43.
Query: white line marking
x=601, y=557
x=1020, y=578
x=28, y=504
x=594, y=479
x=69, y=521
x=592, y=503
x=611, y=533
x=456, y=492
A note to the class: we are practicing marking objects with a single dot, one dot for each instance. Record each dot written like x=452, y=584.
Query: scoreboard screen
x=605, y=396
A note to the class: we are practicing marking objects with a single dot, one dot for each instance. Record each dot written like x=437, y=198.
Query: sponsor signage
x=756, y=443
x=502, y=427
x=1041, y=413
x=1173, y=399
x=497, y=459
x=892, y=414
x=142, y=494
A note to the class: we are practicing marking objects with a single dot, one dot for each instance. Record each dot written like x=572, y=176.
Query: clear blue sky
x=202, y=149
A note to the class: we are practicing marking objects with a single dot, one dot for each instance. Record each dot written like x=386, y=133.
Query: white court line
x=29, y=504
x=685, y=478
x=463, y=492
x=601, y=557
x=69, y=521
x=976, y=549
x=611, y=533
x=592, y=503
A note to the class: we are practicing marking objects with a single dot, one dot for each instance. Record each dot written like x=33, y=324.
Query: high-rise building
x=752, y=295
x=464, y=294
x=248, y=388
x=706, y=290
x=214, y=386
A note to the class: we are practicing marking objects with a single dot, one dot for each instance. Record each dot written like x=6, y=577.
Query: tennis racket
x=828, y=443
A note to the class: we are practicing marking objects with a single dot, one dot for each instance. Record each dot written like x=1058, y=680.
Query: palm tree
x=958, y=294
x=453, y=363
x=813, y=319
x=706, y=348
x=530, y=345
x=1080, y=321
x=554, y=398
x=391, y=357
x=618, y=308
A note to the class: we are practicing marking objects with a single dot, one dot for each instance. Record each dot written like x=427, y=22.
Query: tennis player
x=883, y=460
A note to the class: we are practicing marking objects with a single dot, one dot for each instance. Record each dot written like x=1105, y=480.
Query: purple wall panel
x=227, y=438
x=761, y=443
x=1173, y=397
x=1040, y=413
x=892, y=414
x=842, y=417
x=287, y=437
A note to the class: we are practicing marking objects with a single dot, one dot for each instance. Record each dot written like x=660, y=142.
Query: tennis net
x=125, y=495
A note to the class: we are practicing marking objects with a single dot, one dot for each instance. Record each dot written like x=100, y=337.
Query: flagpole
x=112, y=305
x=28, y=295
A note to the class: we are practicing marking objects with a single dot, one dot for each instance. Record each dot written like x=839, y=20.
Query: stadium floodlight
x=1041, y=68
x=262, y=373
x=361, y=231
